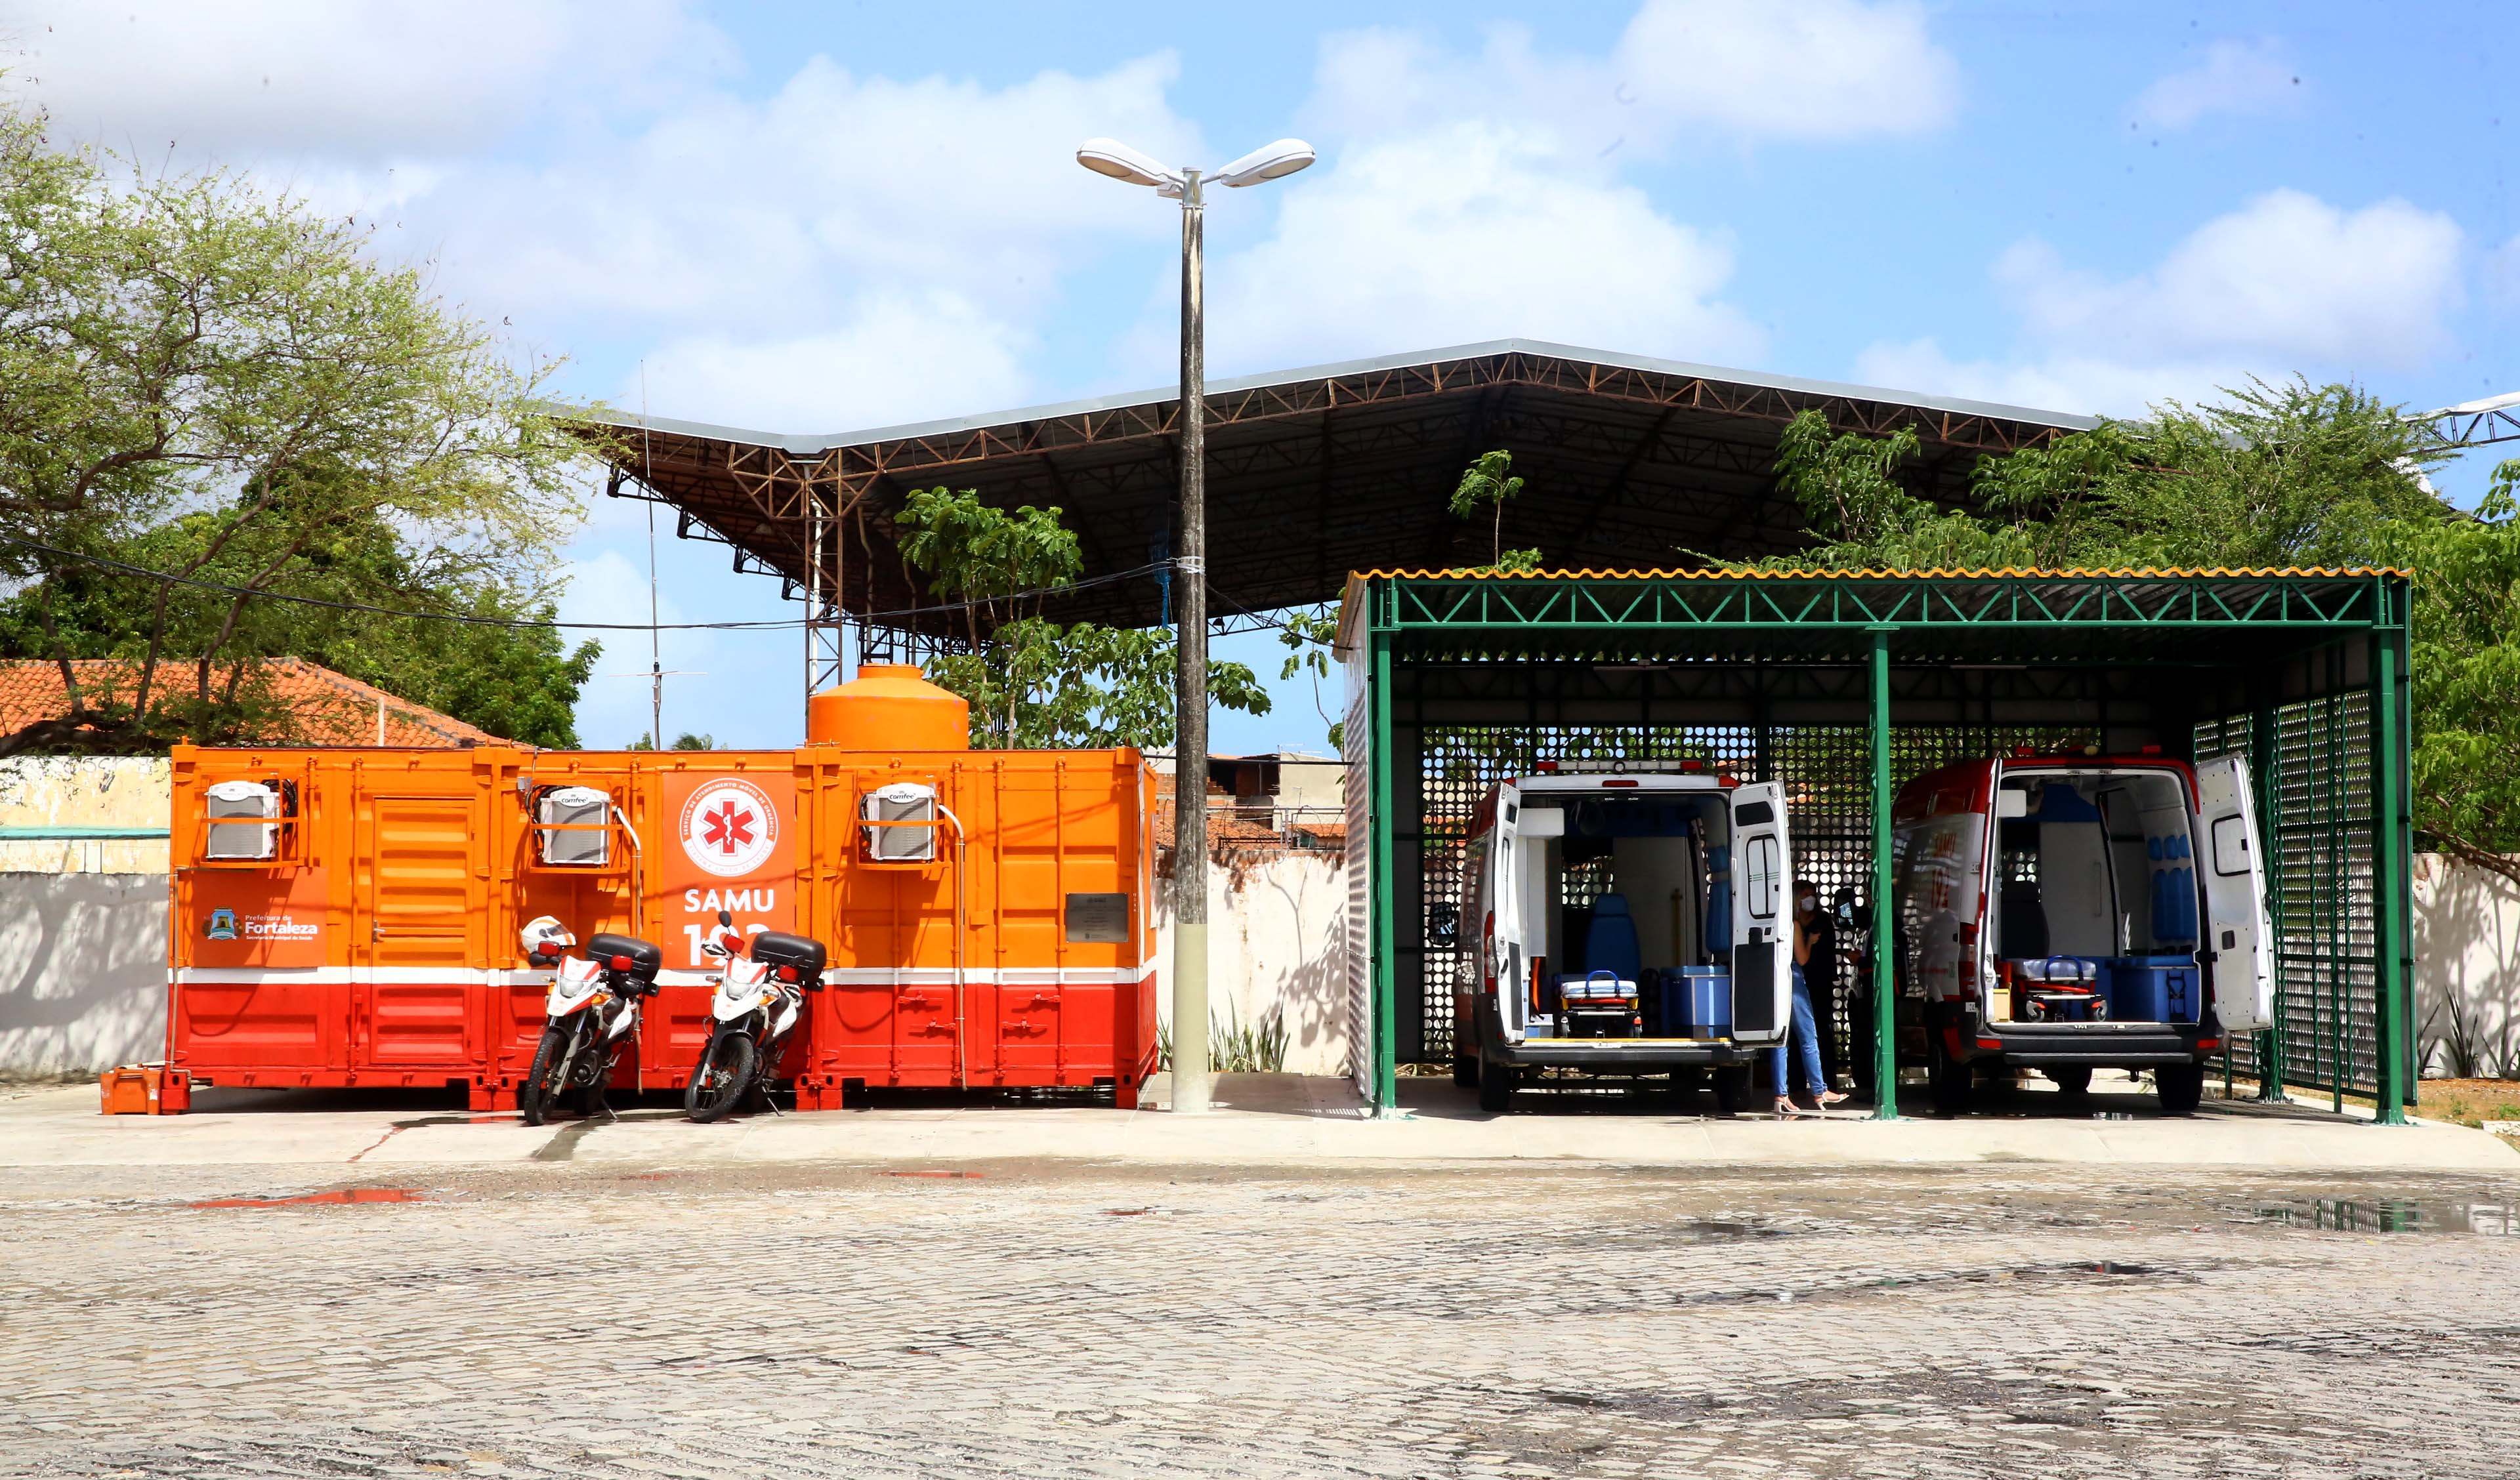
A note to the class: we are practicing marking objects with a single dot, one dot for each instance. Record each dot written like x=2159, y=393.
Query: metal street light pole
x=1193, y=1082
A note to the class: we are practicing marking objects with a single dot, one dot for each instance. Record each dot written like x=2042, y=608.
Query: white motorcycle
x=760, y=998
x=591, y=1011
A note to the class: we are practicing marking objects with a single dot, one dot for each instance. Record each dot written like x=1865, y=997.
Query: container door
x=415, y=886
x=2235, y=897
x=1763, y=951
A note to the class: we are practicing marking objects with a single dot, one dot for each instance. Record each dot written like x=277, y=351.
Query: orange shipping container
x=350, y=916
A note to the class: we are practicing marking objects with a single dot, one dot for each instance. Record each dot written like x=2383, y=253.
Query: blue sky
x=822, y=217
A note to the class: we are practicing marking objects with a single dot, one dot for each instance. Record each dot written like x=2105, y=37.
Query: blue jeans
x=1805, y=1035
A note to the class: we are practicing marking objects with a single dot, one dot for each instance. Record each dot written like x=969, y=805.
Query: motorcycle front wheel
x=719, y=1080
x=540, y=1094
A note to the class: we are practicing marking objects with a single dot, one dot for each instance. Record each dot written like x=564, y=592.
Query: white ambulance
x=2072, y=911
x=1624, y=923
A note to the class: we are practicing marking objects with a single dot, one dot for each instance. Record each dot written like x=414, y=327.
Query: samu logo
x=222, y=925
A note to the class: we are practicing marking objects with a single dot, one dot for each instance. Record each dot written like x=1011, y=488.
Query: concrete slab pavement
x=1262, y=1120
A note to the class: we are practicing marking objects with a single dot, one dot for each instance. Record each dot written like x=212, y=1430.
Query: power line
x=529, y=623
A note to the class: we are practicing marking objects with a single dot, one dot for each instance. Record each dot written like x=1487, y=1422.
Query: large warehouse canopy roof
x=1311, y=472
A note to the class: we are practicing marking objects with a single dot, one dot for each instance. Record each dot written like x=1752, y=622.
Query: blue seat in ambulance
x=1610, y=944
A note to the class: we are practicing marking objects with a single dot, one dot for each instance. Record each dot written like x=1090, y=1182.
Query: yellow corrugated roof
x=1771, y=575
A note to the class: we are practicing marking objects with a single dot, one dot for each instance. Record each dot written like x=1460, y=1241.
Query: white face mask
x=1808, y=903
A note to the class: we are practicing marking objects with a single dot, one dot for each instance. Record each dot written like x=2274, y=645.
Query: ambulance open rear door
x=2234, y=879
x=1763, y=949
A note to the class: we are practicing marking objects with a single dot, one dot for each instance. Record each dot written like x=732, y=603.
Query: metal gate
x=2312, y=767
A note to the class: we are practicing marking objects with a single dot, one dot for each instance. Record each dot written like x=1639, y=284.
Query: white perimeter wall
x=82, y=923
x=1277, y=941
x=82, y=969
x=2467, y=965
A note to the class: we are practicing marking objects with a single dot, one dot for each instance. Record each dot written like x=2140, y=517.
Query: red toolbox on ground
x=146, y=1089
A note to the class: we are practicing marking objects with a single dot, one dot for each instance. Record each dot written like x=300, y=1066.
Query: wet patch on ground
x=336, y=1197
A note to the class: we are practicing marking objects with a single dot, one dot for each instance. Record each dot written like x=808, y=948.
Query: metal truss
x=1863, y=603
x=2495, y=419
x=1308, y=479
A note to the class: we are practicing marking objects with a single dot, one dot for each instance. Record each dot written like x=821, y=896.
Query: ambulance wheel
x=1733, y=1088
x=1495, y=1087
x=1465, y=1071
x=2182, y=1086
x=1954, y=1080
x=2071, y=1079
x=541, y=1091
x=720, y=1079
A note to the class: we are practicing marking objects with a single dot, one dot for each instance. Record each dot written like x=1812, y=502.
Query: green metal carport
x=1844, y=685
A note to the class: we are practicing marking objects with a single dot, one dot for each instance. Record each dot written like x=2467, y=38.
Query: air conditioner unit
x=257, y=838
x=912, y=807
x=579, y=830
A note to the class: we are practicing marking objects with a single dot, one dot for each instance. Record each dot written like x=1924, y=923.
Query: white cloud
x=2244, y=78
x=1463, y=235
x=902, y=358
x=1835, y=69
x=2287, y=277
x=762, y=218
x=2079, y=383
x=343, y=80
x=1828, y=70
x=2287, y=283
x=1472, y=196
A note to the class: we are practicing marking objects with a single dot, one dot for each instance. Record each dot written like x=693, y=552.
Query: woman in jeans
x=1805, y=1032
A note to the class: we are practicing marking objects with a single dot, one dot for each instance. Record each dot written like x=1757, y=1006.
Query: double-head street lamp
x=1111, y=157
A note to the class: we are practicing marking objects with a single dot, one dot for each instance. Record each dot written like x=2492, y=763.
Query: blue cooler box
x=1697, y=1001
x=2154, y=989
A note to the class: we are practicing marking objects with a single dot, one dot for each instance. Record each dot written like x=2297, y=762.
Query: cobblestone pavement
x=1060, y=1319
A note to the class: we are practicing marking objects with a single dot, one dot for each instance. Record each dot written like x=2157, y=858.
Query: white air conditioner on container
x=255, y=838
x=577, y=831
x=911, y=807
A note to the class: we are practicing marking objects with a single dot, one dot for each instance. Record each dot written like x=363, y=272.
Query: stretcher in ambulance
x=2067, y=913
x=1624, y=924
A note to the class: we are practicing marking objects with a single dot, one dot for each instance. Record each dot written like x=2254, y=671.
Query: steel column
x=1385, y=928
x=1885, y=998
x=2264, y=757
x=2389, y=843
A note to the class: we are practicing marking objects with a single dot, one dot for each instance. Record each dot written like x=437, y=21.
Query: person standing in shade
x=1821, y=972
x=1803, y=1034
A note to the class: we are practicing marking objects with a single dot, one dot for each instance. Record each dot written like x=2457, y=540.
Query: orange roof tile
x=324, y=707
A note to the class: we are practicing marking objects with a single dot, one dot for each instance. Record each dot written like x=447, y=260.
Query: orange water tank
x=888, y=706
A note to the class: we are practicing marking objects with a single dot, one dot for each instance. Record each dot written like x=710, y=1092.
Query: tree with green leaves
x=2463, y=674
x=1032, y=683
x=2272, y=476
x=1490, y=483
x=1308, y=635
x=214, y=384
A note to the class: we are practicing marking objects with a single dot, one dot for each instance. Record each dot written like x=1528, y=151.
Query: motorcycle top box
x=775, y=948
x=644, y=959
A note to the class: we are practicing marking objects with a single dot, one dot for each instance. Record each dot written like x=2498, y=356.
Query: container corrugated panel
x=376, y=944
x=1054, y=981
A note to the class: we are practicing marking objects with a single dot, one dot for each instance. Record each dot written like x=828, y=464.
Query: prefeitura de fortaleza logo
x=728, y=827
x=221, y=925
